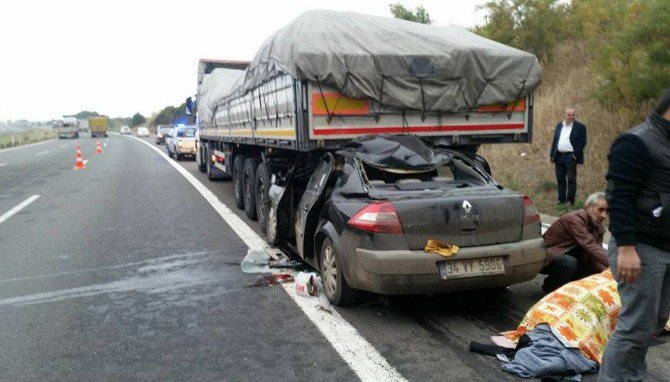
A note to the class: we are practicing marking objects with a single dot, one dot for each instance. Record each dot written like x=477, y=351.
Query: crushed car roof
x=397, y=152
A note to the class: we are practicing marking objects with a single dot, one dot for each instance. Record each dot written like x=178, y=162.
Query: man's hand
x=628, y=264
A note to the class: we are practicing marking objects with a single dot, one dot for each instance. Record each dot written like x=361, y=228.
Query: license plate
x=457, y=269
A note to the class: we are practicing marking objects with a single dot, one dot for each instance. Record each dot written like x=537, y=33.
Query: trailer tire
x=262, y=189
x=202, y=159
x=238, y=178
x=249, y=182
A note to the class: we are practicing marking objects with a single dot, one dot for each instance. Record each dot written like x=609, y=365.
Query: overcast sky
x=120, y=57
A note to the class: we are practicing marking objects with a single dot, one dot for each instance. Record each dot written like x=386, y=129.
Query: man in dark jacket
x=567, y=151
x=574, y=244
x=638, y=192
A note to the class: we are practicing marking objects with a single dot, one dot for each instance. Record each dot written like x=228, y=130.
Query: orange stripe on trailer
x=520, y=105
x=415, y=129
x=275, y=133
x=338, y=104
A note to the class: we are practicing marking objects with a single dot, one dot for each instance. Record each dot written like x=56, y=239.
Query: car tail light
x=378, y=217
x=530, y=212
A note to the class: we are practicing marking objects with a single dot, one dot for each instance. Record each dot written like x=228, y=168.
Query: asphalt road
x=122, y=271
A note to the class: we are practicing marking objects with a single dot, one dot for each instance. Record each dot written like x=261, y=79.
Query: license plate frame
x=468, y=268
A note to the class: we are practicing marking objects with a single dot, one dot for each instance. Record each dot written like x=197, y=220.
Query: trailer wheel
x=238, y=177
x=249, y=187
x=262, y=186
x=202, y=158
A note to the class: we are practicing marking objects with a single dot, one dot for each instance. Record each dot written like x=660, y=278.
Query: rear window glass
x=187, y=133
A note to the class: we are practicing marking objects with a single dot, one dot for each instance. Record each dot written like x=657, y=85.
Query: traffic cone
x=79, y=161
x=98, y=148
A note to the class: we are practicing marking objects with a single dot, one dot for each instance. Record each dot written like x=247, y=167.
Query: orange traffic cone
x=79, y=162
x=98, y=148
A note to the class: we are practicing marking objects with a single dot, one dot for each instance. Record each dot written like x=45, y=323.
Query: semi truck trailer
x=353, y=140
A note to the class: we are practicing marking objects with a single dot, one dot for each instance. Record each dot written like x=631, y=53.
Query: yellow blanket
x=582, y=314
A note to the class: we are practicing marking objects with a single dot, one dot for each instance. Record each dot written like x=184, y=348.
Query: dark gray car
x=369, y=211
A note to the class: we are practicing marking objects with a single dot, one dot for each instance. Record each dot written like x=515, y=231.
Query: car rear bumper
x=416, y=272
x=186, y=150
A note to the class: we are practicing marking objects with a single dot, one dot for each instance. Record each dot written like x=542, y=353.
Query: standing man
x=574, y=244
x=638, y=192
x=567, y=151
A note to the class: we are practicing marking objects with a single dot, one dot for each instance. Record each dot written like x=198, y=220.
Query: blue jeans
x=645, y=307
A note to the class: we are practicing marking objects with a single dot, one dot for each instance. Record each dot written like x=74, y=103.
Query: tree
x=536, y=26
x=138, y=119
x=420, y=15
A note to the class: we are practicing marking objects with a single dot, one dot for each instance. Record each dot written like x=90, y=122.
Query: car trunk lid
x=470, y=218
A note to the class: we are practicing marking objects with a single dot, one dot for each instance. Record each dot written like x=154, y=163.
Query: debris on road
x=309, y=284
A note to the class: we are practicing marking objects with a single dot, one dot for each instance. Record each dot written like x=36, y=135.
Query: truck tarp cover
x=216, y=85
x=394, y=61
x=398, y=152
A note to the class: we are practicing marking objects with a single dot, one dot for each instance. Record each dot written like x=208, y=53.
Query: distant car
x=181, y=142
x=162, y=131
x=125, y=130
x=142, y=131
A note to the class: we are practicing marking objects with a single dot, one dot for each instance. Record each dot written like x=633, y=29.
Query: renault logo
x=466, y=206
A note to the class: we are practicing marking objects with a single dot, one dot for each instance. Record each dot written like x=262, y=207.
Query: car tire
x=249, y=182
x=262, y=189
x=177, y=156
x=335, y=286
x=202, y=160
x=169, y=152
x=238, y=177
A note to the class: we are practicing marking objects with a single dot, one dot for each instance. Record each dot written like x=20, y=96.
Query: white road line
x=18, y=208
x=85, y=161
x=42, y=153
x=3, y=164
x=357, y=352
x=63, y=146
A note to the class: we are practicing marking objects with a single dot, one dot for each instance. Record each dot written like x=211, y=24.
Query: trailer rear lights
x=377, y=217
x=213, y=158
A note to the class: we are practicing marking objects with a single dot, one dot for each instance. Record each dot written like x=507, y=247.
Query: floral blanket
x=582, y=314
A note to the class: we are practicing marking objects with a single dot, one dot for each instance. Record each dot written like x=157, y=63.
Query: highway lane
x=103, y=278
x=427, y=337
x=102, y=285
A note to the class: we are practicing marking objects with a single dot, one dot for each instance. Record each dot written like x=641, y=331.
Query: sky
x=121, y=57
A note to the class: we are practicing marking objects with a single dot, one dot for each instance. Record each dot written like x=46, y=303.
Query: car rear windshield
x=456, y=173
x=164, y=130
x=186, y=133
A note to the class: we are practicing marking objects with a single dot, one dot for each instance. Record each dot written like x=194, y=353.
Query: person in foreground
x=574, y=244
x=638, y=192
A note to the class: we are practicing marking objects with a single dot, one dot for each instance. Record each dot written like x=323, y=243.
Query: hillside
x=566, y=82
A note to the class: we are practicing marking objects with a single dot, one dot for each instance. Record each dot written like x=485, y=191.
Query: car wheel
x=335, y=286
x=238, y=177
x=169, y=152
x=249, y=180
x=177, y=156
x=262, y=186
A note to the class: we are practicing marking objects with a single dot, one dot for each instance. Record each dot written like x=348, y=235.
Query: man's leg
x=624, y=357
x=559, y=272
x=559, y=168
x=571, y=173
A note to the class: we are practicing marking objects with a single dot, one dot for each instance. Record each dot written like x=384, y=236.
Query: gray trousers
x=645, y=307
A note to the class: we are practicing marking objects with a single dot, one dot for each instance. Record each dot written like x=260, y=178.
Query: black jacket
x=639, y=183
x=577, y=140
